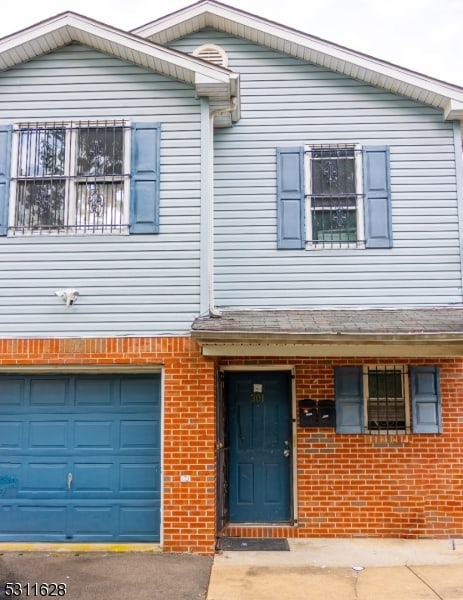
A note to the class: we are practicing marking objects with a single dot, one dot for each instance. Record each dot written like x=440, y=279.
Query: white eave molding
x=398, y=80
x=454, y=110
x=215, y=82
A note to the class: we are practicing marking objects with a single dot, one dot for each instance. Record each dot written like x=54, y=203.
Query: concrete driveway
x=105, y=576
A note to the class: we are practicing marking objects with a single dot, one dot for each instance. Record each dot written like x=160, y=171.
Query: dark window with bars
x=71, y=177
x=333, y=195
x=386, y=400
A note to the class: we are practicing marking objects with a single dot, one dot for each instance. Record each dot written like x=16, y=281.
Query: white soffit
x=393, y=78
x=331, y=350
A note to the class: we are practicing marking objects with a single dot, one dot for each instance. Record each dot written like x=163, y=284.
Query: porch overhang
x=376, y=333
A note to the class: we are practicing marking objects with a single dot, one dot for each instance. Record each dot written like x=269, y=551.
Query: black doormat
x=258, y=544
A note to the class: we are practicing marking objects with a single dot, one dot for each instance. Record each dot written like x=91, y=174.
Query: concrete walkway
x=352, y=569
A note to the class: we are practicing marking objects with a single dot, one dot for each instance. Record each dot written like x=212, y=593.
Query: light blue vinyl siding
x=287, y=102
x=129, y=285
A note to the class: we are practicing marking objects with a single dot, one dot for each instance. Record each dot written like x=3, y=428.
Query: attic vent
x=212, y=53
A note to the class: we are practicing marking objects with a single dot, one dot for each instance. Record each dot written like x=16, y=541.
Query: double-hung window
x=71, y=177
x=334, y=196
x=79, y=177
x=386, y=399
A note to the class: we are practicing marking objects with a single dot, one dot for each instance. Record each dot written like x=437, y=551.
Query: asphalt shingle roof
x=443, y=321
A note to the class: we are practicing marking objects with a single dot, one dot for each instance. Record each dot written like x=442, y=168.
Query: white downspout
x=457, y=137
x=207, y=207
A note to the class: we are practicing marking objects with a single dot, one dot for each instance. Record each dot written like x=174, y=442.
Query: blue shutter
x=144, y=189
x=5, y=154
x=377, y=197
x=349, y=399
x=426, y=406
x=290, y=176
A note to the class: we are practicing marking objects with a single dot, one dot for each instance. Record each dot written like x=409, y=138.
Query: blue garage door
x=80, y=458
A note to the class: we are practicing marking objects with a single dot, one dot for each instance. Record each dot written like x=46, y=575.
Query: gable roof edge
x=68, y=27
x=363, y=67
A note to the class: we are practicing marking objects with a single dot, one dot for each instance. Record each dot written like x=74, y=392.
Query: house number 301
x=257, y=397
x=257, y=394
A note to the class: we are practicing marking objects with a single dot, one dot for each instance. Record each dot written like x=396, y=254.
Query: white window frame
x=359, y=244
x=406, y=397
x=70, y=176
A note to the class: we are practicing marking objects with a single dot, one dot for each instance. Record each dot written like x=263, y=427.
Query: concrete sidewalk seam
x=425, y=582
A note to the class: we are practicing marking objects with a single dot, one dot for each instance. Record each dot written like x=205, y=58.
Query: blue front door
x=260, y=448
x=80, y=458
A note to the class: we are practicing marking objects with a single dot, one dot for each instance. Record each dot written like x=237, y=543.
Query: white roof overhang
x=398, y=80
x=212, y=81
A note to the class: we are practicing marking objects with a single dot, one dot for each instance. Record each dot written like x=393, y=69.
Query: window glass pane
x=386, y=416
x=100, y=151
x=40, y=205
x=334, y=223
x=41, y=152
x=100, y=206
x=333, y=171
x=386, y=408
x=385, y=384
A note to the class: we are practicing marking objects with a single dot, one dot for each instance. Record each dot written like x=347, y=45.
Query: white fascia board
x=333, y=350
x=313, y=49
x=196, y=16
x=70, y=27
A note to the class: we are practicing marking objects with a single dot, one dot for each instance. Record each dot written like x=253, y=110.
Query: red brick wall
x=369, y=485
x=189, y=420
x=405, y=486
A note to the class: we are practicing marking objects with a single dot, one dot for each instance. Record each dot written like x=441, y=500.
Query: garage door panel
x=10, y=476
x=48, y=434
x=104, y=432
x=33, y=520
x=94, y=434
x=12, y=392
x=49, y=392
x=11, y=434
x=133, y=520
x=96, y=392
x=139, y=434
x=139, y=477
x=94, y=477
x=45, y=478
x=93, y=521
x=140, y=391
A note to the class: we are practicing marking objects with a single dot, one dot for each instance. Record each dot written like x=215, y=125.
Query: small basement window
x=213, y=54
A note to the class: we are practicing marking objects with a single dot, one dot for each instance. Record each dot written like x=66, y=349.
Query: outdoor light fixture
x=69, y=296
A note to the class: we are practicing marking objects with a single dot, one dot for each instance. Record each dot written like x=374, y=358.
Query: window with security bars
x=387, y=407
x=71, y=177
x=334, y=185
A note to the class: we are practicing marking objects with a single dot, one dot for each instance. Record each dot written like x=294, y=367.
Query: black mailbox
x=317, y=413
x=326, y=413
x=308, y=413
